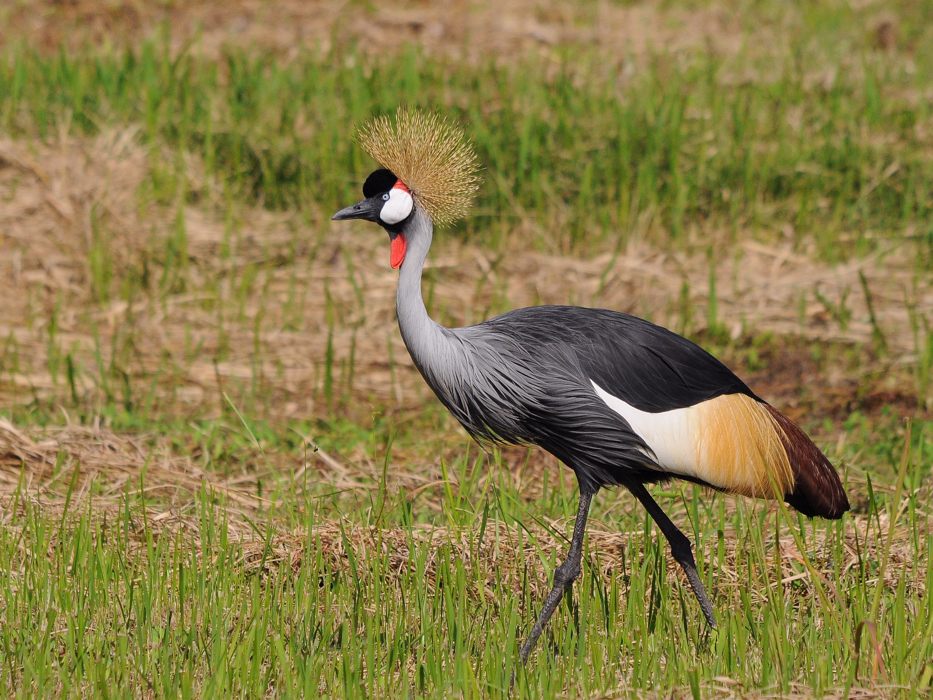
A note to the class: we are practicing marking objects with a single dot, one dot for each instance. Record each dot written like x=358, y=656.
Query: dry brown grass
x=75, y=467
x=459, y=28
x=57, y=195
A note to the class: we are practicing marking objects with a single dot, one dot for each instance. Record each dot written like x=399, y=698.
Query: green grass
x=372, y=606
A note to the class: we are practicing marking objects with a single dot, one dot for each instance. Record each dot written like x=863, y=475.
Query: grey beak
x=367, y=209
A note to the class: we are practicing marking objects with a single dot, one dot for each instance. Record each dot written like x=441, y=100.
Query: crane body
x=619, y=400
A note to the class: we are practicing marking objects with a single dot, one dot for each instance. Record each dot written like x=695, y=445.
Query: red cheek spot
x=399, y=246
x=399, y=185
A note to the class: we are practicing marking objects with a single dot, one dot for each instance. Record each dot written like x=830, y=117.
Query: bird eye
x=385, y=197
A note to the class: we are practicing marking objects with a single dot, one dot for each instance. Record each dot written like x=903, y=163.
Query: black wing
x=645, y=365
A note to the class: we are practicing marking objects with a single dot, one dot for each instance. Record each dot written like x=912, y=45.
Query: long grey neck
x=423, y=337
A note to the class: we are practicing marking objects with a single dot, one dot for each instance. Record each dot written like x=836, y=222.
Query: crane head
x=388, y=202
x=429, y=166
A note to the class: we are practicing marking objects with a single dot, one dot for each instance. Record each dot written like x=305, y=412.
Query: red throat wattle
x=399, y=245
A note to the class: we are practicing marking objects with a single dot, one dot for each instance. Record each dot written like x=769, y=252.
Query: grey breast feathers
x=506, y=386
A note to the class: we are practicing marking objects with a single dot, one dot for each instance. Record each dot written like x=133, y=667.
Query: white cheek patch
x=398, y=207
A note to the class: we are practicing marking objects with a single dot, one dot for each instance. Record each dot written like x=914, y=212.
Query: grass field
x=221, y=475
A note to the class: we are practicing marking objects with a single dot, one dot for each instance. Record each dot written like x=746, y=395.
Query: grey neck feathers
x=423, y=337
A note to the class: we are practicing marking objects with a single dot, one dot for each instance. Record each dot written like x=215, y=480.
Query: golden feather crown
x=430, y=155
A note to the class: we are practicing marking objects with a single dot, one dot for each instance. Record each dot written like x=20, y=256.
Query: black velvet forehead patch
x=381, y=180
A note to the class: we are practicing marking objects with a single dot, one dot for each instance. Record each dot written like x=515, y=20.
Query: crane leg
x=680, y=548
x=564, y=575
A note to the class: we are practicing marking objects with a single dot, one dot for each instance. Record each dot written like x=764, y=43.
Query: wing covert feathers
x=739, y=447
x=817, y=488
x=739, y=444
x=748, y=447
x=430, y=155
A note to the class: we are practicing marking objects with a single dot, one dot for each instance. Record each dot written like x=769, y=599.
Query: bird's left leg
x=680, y=548
x=565, y=574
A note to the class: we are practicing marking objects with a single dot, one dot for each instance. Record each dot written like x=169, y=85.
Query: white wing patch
x=668, y=433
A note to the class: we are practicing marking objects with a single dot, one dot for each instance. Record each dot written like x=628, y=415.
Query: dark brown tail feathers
x=817, y=488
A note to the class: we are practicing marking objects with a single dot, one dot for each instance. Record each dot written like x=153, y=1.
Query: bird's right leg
x=680, y=548
x=564, y=575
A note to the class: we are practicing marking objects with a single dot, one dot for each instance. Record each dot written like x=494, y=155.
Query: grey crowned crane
x=619, y=400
